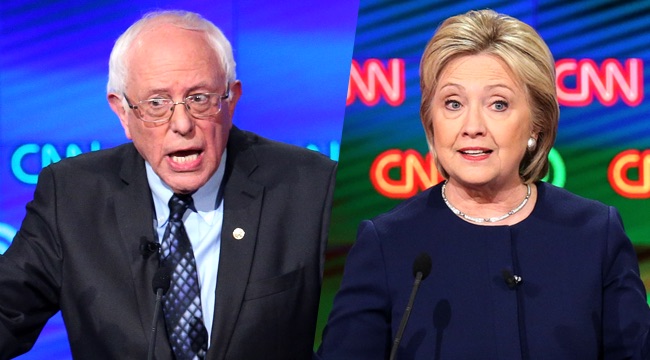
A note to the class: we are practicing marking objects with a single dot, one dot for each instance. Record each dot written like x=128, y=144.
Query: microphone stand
x=160, y=284
x=405, y=317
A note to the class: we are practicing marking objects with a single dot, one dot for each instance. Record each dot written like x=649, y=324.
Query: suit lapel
x=243, y=205
x=134, y=214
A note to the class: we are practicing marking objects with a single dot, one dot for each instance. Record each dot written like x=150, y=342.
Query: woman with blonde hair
x=520, y=269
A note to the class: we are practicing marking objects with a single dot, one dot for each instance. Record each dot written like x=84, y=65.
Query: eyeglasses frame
x=225, y=96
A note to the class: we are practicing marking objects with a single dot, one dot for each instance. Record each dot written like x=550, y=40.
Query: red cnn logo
x=609, y=82
x=629, y=162
x=416, y=173
x=374, y=81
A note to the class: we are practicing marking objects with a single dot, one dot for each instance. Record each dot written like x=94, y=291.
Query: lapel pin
x=238, y=233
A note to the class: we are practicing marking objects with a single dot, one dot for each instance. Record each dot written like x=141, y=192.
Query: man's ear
x=235, y=94
x=115, y=101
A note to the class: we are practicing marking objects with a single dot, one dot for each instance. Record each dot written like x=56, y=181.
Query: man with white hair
x=244, y=249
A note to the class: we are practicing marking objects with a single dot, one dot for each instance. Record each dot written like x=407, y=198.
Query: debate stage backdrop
x=294, y=61
x=292, y=57
x=602, y=151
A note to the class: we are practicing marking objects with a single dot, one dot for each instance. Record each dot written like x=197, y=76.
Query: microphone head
x=422, y=264
x=162, y=279
x=507, y=276
x=510, y=279
x=147, y=247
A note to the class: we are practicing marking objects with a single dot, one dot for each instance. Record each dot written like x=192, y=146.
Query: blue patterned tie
x=182, y=303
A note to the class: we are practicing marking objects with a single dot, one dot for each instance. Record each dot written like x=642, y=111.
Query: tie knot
x=178, y=204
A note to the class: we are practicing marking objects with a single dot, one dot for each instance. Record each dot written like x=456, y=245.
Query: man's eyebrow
x=201, y=85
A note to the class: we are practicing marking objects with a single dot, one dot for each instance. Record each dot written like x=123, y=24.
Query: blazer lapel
x=134, y=214
x=243, y=205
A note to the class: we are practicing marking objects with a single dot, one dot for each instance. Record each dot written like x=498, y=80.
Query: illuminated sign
x=40, y=156
x=610, y=82
x=7, y=234
x=333, y=146
x=47, y=154
x=373, y=81
x=620, y=169
x=418, y=173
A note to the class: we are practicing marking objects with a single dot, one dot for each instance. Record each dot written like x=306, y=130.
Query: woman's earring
x=532, y=144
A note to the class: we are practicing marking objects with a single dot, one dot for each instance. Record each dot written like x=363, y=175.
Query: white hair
x=118, y=66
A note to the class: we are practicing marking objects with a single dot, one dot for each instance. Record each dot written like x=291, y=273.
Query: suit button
x=238, y=233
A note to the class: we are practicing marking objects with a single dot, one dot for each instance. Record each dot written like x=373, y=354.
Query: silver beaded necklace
x=482, y=220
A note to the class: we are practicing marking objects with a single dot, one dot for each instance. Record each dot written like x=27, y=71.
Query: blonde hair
x=525, y=54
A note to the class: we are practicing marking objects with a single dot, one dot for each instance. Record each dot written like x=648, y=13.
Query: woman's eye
x=500, y=105
x=452, y=104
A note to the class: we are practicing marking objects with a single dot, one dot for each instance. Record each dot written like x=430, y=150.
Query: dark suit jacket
x=78, y=251
x=580, y=296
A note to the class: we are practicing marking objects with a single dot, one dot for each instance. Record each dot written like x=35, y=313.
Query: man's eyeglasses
x=159, y=110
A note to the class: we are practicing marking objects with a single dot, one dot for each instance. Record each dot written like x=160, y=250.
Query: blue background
x=293, y=58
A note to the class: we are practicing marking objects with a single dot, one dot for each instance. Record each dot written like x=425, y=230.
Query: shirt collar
x=205, y=198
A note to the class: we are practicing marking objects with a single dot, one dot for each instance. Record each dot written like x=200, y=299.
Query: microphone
x=147, y=248
x=421, y=269
x=511, y=279
x=160, y=284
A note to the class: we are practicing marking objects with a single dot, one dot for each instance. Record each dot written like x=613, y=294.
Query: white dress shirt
x=203, y=228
